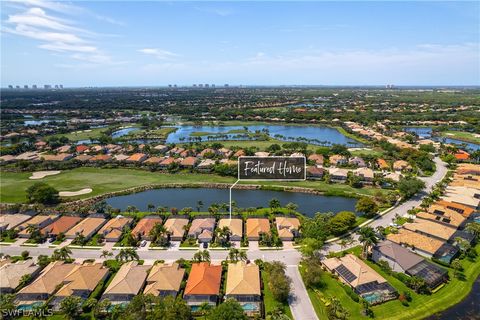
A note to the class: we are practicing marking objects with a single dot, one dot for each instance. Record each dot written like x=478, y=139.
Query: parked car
x=205, y=245
x=143, y=243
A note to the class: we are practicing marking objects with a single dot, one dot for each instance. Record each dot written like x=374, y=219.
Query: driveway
x=299, y=301
x=252, y=245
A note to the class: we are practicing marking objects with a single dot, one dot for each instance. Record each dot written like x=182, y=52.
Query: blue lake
x=314, y=134
x=426, y=133
x=179, y=198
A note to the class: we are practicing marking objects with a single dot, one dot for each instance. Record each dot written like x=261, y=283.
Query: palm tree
x=80, y=239
x=367, y=238
x=235, y=255
x=106, y=254
x=223, y=235
x=291, y=207
x=473, y=228
x=274, y=204
x=127, y=255
x=204, y=309
x=202, y=256
x=62, y=253
x=158, y=233
x=199, y=205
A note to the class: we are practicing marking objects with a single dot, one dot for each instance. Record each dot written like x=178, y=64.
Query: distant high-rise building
x=17, y=87
x=25, y=86
x=34, y=86
x=169, y=85
x=194, y=85
x=10, y=86
x=200, y=85
x=207, y=85
x=226, y=85
x=174, y=85
x=212, y=85
x=61, y=86
x=56, y=86
x=47, y=86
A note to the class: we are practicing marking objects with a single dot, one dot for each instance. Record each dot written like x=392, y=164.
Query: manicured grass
x=95, y=241
x=161, y=133
x=82, y=135
x=420, y=307
x=13, y=185
x=462, y=135
x=269, y=301
x=352, y=136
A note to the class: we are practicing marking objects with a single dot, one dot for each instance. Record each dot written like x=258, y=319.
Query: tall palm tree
x=63, y=253
x=204, y=309
x=367, y=238
x=106, y=254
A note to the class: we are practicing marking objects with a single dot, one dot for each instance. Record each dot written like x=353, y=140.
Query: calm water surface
x=289, y=133
x=426, y=133
x=308, y=204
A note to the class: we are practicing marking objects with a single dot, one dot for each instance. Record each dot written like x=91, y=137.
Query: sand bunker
x=42, y=174
x=74, y=193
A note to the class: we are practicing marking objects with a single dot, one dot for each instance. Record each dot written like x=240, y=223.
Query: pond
x=40, y=122
x=179, y=198
x=313, y=134
x=468, y=308
x=426, y=133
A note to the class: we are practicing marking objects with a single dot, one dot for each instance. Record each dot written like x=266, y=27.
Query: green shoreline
x=13, y=185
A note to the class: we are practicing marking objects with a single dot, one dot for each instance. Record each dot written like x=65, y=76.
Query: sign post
x=270, y=169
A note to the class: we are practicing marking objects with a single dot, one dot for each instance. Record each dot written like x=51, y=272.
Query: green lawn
x=82, y=135
x=269, y=301
x=161, y=133
x=420, y=307
x=462, y=135
x=13, y=185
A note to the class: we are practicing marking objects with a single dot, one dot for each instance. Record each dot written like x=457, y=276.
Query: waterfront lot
x=14, y=185
x=420, y=307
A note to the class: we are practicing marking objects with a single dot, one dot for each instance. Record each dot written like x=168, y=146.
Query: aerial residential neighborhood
x=234, y=160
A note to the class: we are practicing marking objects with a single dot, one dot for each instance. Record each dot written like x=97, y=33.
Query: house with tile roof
x=202, y=229
x=137, y=157
x=338, y=175
x=257, y=226
x=423, y=245
x=101, y=158
x=316, y=158
x=153, y=160
x=337, y=160
x=83, y=157
x=367, y=176
x=203, y=284
x=176, y=228
x=382, y=164
x=287, y=228
x=80, y=282
x=87, y=227
x=164, y=280
x=127, y=283
x=11, y=221
x=61, y=225
x=401, y=165
x=235, y=226
x=41, y=221
x=188, y=162
x=400, y=259
x=145, y=225
x=12, y=273
x=431, y=229
x=45, y=284
x=315, y=173
x=113, y=229
x=206, y=165
x=243, y=285
x=56, y=157
x=365, y=281
x=467, y=212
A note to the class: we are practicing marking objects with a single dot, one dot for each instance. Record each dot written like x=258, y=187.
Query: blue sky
x=88, y=43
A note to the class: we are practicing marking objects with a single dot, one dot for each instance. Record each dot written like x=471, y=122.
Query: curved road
x=299, y=301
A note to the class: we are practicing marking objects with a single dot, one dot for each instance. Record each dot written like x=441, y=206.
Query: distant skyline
x=89, y=43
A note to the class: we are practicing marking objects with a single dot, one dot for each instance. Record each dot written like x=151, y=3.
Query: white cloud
x=159, y=53
x=57, y=34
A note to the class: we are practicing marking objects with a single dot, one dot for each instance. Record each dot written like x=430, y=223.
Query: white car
x=143, y=243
